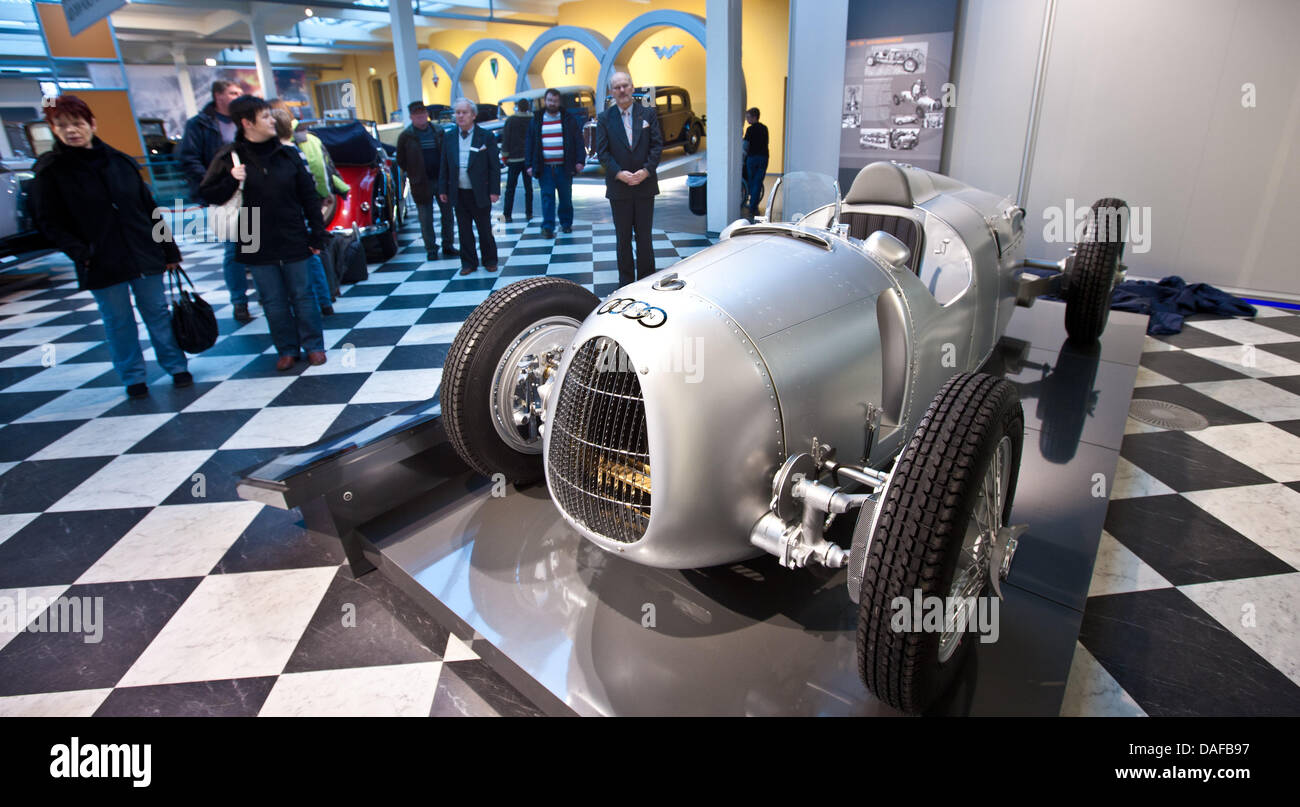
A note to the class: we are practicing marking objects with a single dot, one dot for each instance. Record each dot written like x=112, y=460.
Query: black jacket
x=410, y=158
x=616, y=154
x=199, y=144
x=484, y=166
x=574, y=151
x=282, y=196
x=95, y=207
x=514, y=137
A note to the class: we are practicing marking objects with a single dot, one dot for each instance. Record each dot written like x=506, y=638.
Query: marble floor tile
x=1253, y=397
x=431, y=333
x=1266, y=448
x=241, y=393
x=174, y=541
x=216, y=368
x=62, y=377
x=1090, y=691
x=239, y=697
x=11, y=523
x=403, y=690
x=1132, y=426
x=1266, y=514
x=41, y=354
x=1241, y=330
x=1150, y=378
x=1247, y=360
x=1263, y=612
x=284, y=426
x=133, y=480
x=1132, y=482
x=391, y=317
x=399, y=385
x=457, y=298
x=351, y=359
x=107, y=436
x=233, y=626
x=37, y=336
x=421, y=287
x=76, y=703
x=1117, y=570
x=19, y=606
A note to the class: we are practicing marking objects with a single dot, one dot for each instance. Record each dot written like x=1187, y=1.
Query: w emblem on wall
x=667, y=52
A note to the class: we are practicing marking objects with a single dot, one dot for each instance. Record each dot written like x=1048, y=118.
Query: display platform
x=580, y=631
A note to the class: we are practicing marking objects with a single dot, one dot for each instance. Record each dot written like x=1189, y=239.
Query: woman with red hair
x=89, y=199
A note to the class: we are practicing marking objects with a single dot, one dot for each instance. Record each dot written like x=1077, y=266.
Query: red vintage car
x=374, y=207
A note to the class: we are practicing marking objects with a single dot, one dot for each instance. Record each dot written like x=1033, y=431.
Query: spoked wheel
x=939, y=527
x=692, y=143
x=509, y=347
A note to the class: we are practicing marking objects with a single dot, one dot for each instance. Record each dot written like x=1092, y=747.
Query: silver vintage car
x=819, y=362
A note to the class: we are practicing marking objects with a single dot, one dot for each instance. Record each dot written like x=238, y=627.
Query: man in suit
x=628, y=144
x=471, y=180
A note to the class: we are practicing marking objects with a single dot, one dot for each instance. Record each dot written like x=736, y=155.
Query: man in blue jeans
x=554, y=155
x=755, y=148
x=205, y=134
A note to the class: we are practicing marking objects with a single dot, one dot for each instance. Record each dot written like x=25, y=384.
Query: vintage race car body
x=681, y=397
x=375, y=207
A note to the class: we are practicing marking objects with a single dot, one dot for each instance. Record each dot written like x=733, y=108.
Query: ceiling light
x=372, y=71
x=307, y=11
x=210, y=62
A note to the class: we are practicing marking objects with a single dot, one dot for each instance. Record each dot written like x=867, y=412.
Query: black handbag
x=193, y=321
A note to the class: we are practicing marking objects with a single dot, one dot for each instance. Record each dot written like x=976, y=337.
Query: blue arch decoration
x=441, y=58
x=462, y=81
x=544, y=46
x=637, y=32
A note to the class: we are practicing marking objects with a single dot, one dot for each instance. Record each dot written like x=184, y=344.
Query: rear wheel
x=382, y=246
x=692, y=143
x=909, y=64
x=935, y=528
x=509, y=344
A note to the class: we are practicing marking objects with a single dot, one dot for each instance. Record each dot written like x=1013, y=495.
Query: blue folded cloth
x=1172, y=299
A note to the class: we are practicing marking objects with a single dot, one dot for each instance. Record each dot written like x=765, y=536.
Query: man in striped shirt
x=554, y=155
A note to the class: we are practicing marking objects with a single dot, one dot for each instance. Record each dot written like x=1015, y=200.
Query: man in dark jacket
x=471, y=179
x=89, y=199
x=205, y=134
x=280, y=227
x=514, y=139
x=419, y=155
x=629, y=143
x=555, y=155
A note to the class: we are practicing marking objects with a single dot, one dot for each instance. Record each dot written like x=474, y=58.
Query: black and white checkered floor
x=217, y=606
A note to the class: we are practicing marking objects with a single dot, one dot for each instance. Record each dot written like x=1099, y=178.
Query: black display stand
x=578, y=630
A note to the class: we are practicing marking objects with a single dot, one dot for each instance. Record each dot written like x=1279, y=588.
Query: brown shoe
x=316, y=358
x=285, y=362
x=491, y=268
x=468, y=270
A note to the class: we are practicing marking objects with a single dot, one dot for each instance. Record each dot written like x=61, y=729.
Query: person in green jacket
x=321, y=168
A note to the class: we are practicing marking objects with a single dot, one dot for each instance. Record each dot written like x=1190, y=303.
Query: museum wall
x=1145, y=101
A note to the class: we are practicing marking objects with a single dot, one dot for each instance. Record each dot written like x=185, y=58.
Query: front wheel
x=910, y=65
x=509, y=345
x=934, y=533
x=1092, y=271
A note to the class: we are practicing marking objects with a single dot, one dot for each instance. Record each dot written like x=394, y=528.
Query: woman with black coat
x=280, y=227
x=89, y=199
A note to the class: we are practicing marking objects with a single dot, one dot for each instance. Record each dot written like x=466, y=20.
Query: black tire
x=691, y=143
x=1108, y=227
x=382, y=246
x=481, y=343
x=920, y=525
x=1087, y=300
x=871, y=61
x=910, y=65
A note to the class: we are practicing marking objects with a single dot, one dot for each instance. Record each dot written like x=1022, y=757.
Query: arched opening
x=439, y=65
x=562, y=56
x=474, y=71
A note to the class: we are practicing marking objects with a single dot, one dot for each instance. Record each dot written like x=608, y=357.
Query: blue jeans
x=123, y=338
x=292, y=313
x=320, y=285
x=236, y=280
x=755, y=170
x=555, y=178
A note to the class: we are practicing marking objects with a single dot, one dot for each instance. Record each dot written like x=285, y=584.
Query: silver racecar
x=741, y=400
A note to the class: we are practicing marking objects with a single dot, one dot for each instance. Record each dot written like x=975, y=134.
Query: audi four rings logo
x=649, y=316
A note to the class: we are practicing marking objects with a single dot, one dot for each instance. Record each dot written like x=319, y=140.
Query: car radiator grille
x=599, y=456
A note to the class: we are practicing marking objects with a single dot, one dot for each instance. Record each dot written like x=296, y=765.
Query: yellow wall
x=764, y=58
